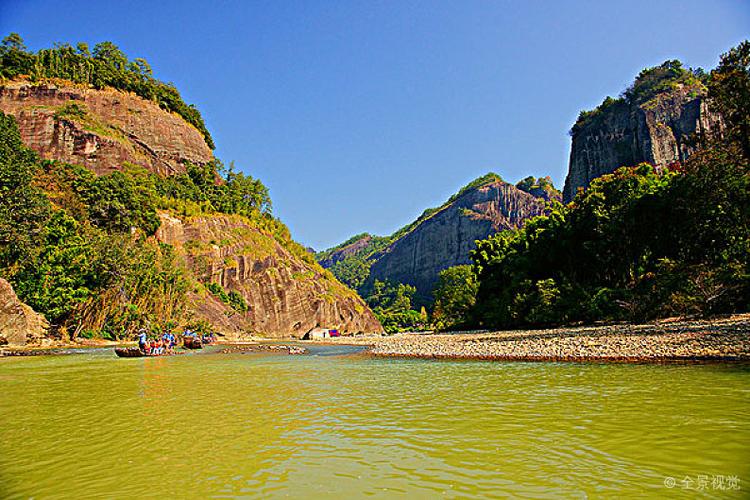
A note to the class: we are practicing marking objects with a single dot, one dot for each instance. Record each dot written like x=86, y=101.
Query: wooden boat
x=135, y=352
x=129, y=352
x=192, y=343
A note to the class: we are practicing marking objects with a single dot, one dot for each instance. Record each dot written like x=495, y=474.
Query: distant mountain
x=441, y=237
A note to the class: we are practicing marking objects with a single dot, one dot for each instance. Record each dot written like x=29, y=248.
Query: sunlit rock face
x=660, y=131
x=286, y=295
x=105, y=129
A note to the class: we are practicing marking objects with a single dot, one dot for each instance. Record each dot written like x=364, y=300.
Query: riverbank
x=50, y=347
x=717, y=339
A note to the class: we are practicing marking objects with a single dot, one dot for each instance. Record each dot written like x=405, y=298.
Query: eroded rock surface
x=286, y=295
x=19, y=323
x=104, y=130
x=660, y=131
x=446, y=238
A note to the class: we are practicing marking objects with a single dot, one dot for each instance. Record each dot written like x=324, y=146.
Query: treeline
x=392, y=305
x=638, y=244
x=104, y=66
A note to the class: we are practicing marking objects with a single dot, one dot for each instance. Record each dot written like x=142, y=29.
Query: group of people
x=157, y=346
x=206, y=338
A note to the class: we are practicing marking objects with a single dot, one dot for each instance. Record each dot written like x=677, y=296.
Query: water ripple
x=230, y=426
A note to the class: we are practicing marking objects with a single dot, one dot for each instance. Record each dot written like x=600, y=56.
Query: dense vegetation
x=729, y=92
x=455, y=297
x=85, y=272
x=104, y=66
x=638, y=244
x=391, y=303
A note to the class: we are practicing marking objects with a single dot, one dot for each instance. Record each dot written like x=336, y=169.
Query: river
x=337, y=424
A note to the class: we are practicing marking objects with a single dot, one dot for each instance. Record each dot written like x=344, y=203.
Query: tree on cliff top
x=649, y=83
x=729, y=91
x=107, y=66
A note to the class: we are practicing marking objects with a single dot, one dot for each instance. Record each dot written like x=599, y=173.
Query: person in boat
x=142, y=340
x=166, y=341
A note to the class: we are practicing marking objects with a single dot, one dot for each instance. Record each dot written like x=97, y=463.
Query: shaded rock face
x=660, y=132
x=286, y=295
x=446, y=238
x=19, y=324
x=112, y=128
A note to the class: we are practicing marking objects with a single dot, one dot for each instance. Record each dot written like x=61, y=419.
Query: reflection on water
x=329, y=425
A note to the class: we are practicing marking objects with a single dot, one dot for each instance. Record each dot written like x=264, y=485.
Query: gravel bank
x=717, y=339
x=255, y=348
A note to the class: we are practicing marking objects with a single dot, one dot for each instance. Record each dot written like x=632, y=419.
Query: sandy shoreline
x=720, y=339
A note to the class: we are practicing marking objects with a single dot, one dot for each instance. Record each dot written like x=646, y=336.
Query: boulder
x=19, y=323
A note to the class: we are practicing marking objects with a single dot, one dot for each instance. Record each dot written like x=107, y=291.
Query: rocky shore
x=705, y=340
x=256, y=348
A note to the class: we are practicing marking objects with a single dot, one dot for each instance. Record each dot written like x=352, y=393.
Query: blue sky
x=359, y=115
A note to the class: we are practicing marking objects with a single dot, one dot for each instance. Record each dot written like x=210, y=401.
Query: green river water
x=336, y=425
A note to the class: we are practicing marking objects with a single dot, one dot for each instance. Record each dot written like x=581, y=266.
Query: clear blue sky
x=359, y=115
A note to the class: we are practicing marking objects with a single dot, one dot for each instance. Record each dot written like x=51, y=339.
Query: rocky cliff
x=446, y=238
x=101, y=129
x=443, y=237
x=660, y=125
x=286, y=294
x=19, y=324
x=284, y=291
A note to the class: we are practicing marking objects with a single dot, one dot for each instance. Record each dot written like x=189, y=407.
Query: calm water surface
x=331, y=425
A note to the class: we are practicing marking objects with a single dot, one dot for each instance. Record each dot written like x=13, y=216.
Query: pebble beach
x=717, y=339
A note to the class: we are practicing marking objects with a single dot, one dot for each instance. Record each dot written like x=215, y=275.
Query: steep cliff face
x=285, y=294
x=446, y=238
x=19, y=324
x=101, y=129
x=661, y=130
